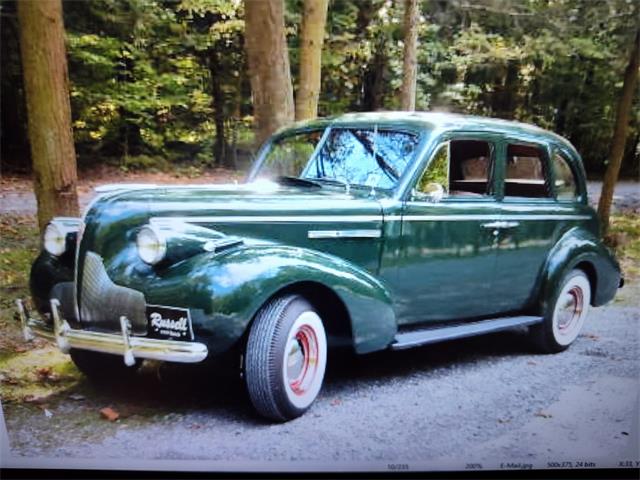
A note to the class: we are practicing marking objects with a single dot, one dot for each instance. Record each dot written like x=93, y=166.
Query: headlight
x=56, y=234
x=152, y=246
x=55, y=239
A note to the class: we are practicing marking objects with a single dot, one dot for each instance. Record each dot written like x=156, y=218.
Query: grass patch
x=36, y=374
x=624, y=237
x=19, y=246
x=27, y=370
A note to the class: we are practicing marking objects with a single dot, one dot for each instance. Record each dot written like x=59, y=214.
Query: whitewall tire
x=565, y=315
x=285, y=358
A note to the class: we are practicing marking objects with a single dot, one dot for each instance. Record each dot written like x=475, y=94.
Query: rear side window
x=525, y=173
x=564, y=178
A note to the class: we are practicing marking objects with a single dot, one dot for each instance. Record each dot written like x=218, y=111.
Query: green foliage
x=141, y=80
x=558, y=65
x=168, y=78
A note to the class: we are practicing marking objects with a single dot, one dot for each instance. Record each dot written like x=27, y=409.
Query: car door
x=447, y=255
x=530, y=221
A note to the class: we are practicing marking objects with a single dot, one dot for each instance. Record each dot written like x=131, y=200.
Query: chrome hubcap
x=302, y=359
x=571, y=307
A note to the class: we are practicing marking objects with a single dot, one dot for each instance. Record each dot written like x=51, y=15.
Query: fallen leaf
x=531, y=362
x=36, y=399
x=46, y=374
x=504, y=420
x=20, y=349
x=109, y=414
x=43, y=372
x=195, y=426
x=543, y=414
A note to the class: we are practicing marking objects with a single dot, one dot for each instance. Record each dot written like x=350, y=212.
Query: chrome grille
x=102, y=302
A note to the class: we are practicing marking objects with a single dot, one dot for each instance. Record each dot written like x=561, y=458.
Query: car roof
x=440, y=121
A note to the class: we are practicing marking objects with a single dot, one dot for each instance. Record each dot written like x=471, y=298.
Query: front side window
x=437, y=172
x=564, y=179
x=370, y=157
x=288, y=155
x=525, y=173
x=463, y=168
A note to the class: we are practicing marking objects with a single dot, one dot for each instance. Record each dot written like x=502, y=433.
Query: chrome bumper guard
x=130, y=347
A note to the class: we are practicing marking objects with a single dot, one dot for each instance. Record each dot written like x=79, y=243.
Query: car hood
x=266, y=200
x=268, y=213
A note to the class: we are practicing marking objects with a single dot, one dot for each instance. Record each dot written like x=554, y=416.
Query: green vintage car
x=373, y=231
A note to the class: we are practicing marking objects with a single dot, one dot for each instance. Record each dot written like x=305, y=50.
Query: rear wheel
x=286, y=357
x=103, y=366
x=565, y=315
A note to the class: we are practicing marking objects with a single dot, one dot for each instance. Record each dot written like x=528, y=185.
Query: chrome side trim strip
x=344, y=234
x=275, y=219
x=361, y=218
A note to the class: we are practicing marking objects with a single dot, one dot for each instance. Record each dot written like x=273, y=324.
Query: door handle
x=500, y=225
x=492, y=225
x=510, y=224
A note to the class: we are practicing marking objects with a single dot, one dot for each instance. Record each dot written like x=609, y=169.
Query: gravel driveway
x=485, y=402
x=23, y=201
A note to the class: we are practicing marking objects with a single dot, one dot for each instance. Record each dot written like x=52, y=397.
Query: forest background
x=164, y=84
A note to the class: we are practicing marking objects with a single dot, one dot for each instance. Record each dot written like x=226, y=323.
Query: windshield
x=357, y=156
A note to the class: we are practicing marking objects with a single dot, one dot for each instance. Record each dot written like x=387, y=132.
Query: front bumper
x=129, y=346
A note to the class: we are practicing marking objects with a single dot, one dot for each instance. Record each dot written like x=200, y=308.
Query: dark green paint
x=417, y=271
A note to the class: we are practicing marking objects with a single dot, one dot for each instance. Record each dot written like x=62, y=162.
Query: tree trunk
x=46, y=82
x=410, y=61
x=373, y=82
x=219, y=148
x=268, y=60
x=620, y=134
x=314, y=18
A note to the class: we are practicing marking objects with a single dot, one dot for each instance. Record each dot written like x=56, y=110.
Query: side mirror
x=433, y=192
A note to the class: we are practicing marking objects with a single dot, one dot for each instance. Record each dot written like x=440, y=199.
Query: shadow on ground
x=161, y=388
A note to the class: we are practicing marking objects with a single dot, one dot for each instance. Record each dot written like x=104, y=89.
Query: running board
x=441, y=334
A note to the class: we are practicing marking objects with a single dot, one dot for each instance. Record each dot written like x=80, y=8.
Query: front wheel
x=285, y=358
x=565, y=315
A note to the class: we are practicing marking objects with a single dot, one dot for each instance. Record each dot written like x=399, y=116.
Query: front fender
x=226, y=290
x=578, y=246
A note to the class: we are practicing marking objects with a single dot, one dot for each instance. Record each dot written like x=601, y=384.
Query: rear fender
x=578, y=248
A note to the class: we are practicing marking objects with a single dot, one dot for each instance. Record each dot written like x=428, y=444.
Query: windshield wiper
x=347, y=185
x=297, y=181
